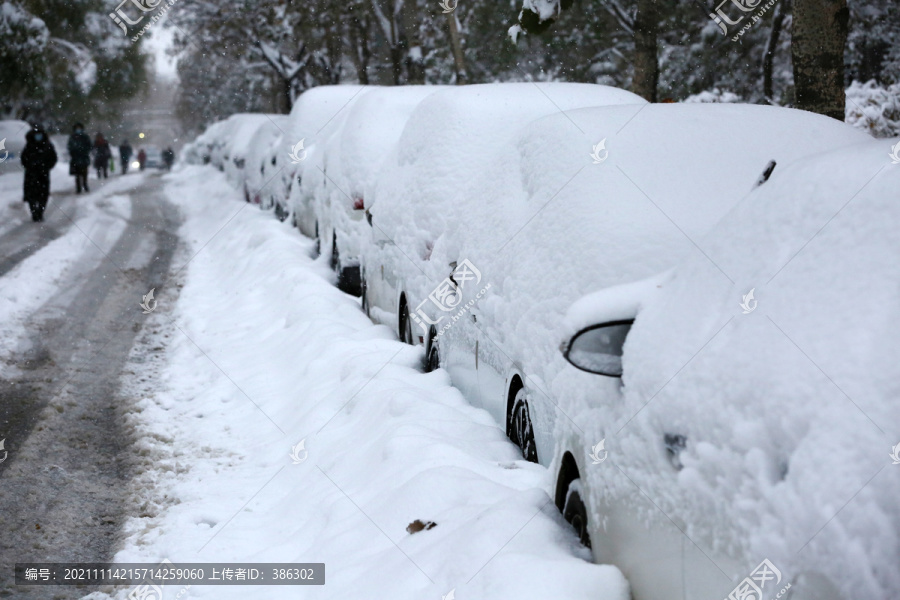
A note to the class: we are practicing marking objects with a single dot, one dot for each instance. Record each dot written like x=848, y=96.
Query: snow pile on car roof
x=788, y=398
x=547, y=214
x=261, y=140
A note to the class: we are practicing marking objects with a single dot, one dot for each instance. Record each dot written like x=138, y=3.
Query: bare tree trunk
x=771, y=46
x=817, y=50
x=459, y=62
x=646, y=64
x=287, y=95
x=359, y=43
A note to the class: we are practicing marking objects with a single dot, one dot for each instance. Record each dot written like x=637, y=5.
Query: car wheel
x=521, y=429
x=364, y=293
x=432, y=352
x=335, y=256
x=575, y=512
x=349, y=280
x=405, y=324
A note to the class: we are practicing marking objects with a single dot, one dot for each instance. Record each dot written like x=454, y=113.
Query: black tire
x=404, y=331
x=364, y=293
x=575, y=512
x=335, y=255
x=349, y=280
x=521, y=429
x=432, y=351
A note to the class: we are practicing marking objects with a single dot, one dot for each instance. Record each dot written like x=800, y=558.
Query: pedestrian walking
x=142, y=158
x=102, y=154
x=125, y=153
x=38, y=157
x=79, y=147
x=168, y=157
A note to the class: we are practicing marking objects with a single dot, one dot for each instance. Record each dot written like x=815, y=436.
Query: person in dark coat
x=142, y=158
x=102, y=154
x=168, y=157
x=125, y=153
x=38, y=157
x=79, y=147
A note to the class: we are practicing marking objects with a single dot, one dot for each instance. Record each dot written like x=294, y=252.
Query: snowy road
x=68, y=463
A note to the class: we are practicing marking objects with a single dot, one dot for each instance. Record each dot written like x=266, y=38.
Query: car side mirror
x=598, y=349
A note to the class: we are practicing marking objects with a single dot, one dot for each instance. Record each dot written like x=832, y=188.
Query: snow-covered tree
x=65, y=61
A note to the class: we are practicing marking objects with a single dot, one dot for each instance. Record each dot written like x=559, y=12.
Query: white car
x=762, y=398
x=345, y=162
x=258, y=174
x=430, y=192
x=491, y=222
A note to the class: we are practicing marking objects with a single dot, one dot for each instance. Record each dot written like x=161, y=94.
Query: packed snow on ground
x=258, y=358
x=789, y=410
x=98, y=219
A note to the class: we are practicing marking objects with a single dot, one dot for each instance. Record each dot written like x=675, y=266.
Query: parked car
x=759, y=397
x=257, y=177
x=426, y=194
x=154, y=158
x=347, y=159
x=489, y=226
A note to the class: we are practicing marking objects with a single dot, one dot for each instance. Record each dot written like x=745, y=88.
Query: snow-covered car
x=348, y=157
x=206, y=147
x=226, y=144
x=488, y=228
x=283, y=167
x=238, y=134
x=428, y=186
x=256, y=176
x=770, y=358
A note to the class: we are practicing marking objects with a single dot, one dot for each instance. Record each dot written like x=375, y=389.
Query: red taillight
x=358, y=204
